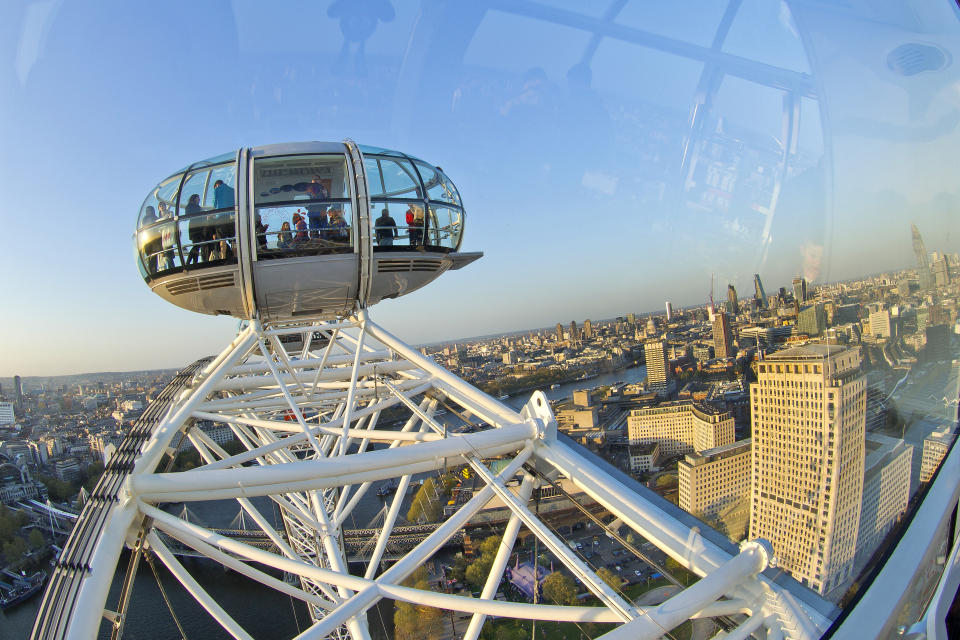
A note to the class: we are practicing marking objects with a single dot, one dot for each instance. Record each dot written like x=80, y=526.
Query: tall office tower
x=669, y=311
x=923, y=263
x=722, y=336
x=800, y=289
x=880, y=323
x=573, y=330
x=587, y=329
x=632, y=318
x=732, y=303
x=940, y=272
x=659, y=376
x=938, y=343
x=759, y=294
x=17, y=393
x=812, y=320
x=559, y=332
x=808, y=412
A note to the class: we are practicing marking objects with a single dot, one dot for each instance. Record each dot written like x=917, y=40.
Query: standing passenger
x=197, y=230
x=150, y=239
x=301, y=228
x=284, y=238
x=339, y=231
x=386, y=229
x=223, y=198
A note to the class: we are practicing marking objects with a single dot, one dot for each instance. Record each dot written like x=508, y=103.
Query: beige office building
x=659, y=375
x=808, y=411
x=711, y=480
x=935, y=447
x=886, y=489
x=680, y=427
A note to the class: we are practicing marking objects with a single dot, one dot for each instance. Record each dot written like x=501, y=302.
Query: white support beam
x=580, y=570
x=193, y=587
x=656, y=621
x=410, y=561
x=495, y=574
x=176, y=528
x=326, y=472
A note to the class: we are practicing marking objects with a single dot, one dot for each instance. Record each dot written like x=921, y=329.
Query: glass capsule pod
x=298, y=230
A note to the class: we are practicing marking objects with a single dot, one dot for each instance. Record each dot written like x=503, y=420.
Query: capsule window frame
x=349, y=201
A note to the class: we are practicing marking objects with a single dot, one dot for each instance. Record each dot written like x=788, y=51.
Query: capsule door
x=304, y=253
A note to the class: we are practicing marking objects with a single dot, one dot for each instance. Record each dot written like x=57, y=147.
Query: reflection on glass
x=295, y=230
x=391, y=178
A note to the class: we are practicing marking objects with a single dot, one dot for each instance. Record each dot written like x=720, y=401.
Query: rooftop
x=817, y=351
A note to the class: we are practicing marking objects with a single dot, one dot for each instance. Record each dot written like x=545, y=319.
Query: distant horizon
x=546, y=327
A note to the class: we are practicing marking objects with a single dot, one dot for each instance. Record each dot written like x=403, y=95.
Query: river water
x=262, y=612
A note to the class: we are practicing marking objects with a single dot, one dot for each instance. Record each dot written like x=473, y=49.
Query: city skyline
x=458, y=339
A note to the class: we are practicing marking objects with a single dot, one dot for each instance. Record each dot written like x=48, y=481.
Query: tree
x=94, y=471
x=426, y=505
x=14, y=551
x=612, y=579
x=478, y=570
x=413, y=621
x=459, y=569
x=560, y=588
x=35, y=539
x=58, y=490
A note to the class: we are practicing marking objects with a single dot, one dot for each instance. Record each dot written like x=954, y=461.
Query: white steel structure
x=309, y=413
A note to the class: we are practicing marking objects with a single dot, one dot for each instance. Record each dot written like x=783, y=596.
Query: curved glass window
x=391, y=178
x=207, y=219
x=193, y=225
x=302, y=206
x=438, y=185
x=444, y=227
x=156, y=238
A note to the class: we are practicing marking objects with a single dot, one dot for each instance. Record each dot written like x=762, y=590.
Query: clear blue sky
x=563, y=127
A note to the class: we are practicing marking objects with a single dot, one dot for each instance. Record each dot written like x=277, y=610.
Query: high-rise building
x=732, y=303
x=17, y=393
x=812, y=320
x=6, y=413
x=800, y=289
x=669, y=306
x=880, y=323
x=886, y=489
x=573, y=331
x=681, y=427
x=808, y=414
x=759, y=294
x=659, y=376
x=587, y=329
x=923, y=263
x=722, y=336
x=559, y=332
x=940, y=272
x=938, y=343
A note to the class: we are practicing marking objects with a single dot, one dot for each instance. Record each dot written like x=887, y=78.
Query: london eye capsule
x=299, y=230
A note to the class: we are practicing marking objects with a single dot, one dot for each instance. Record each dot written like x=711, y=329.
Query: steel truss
x=324, y=413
